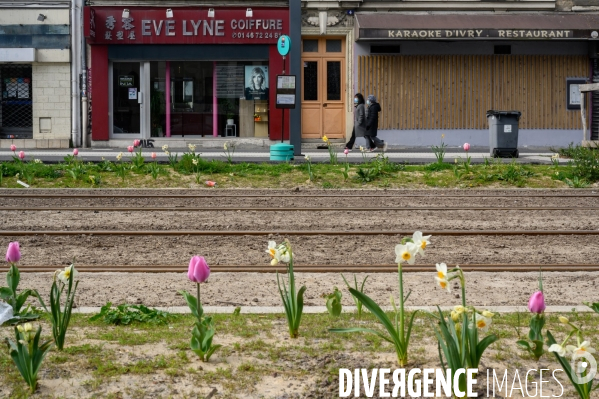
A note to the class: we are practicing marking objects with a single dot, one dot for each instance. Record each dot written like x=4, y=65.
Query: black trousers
x=375, y=142
x=352, y=140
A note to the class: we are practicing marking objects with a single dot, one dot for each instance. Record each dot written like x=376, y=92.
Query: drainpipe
x=84, y=106
x=75, y=60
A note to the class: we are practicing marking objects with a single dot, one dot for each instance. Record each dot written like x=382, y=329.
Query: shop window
x=333, y=46
x=16, y=114
x=374, y=49
x=310, y=45
x=502, y=49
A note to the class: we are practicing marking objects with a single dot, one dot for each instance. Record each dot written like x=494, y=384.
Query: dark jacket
x=360, y=121
x=372, y=119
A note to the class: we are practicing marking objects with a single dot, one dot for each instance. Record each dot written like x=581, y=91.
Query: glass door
x=127, y=113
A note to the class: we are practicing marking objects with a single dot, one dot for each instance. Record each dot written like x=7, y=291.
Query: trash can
x=503, y=133
x=281, y=152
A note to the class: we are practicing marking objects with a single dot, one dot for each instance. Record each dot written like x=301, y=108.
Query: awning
x=396, y=26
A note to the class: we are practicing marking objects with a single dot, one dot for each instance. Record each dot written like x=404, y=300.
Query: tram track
x=454, y=233
x=381, y=268
x=286, y=209
x=276, y=196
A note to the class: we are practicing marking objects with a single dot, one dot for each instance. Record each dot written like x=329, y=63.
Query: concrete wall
x=479, y=138
x=51, y=87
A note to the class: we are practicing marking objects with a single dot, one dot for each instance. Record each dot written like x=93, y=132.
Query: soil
x=260, y=289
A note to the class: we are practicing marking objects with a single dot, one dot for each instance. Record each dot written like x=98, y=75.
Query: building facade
x=184, y=73
x=438, y=67
x=35, y=75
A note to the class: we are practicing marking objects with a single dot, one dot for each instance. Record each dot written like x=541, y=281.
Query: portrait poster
x=256, y=82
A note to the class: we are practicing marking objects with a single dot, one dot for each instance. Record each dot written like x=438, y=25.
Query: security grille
x=16, y=117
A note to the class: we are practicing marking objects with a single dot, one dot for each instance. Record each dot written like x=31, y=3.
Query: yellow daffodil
x=225, y=146
x=441, y=270
x=459, y=309
x=20, y=328
x=325, y=139
x=488, y=314
x=65, y=274
x=406, y=253
x=455, y=316
x=444, y=284
x=194, y=161
x=583, y=349
x=564, y=320
x=420, y=241
x=28, y=327
x=442, y=136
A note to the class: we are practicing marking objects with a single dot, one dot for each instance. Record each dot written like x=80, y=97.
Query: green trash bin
x=503, y=133
x=281, y=152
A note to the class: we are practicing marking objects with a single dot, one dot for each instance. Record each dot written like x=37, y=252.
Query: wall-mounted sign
x=187, y=26
x=573, y=92
x=283, y=45
x=126, y=81
x=473, y=34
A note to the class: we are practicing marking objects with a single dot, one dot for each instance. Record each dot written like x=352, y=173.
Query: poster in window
x=256, y=82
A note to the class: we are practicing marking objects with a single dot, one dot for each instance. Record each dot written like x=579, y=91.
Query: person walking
x=359, y=122
x=372, y=122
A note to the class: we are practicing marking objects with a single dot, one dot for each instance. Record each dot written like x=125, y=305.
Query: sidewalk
x=420, y=155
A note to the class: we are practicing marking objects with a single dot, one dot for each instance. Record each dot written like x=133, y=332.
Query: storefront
x=438, y=74
x=184, y=72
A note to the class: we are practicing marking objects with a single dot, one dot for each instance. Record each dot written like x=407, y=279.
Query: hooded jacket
x=372, y=118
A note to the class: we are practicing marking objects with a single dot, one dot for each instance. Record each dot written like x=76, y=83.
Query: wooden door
x=323, y=88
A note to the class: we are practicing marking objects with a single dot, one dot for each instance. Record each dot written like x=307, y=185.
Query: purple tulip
x=198, y=271
x=536, y=303
x=13, y=253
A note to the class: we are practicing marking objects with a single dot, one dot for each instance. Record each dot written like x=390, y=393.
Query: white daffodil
x=420, y=241
x=194, y=161
x=191, y=147
x=272, y=249
x=225, y=146
x=362, y=149
x=580, y=351
x=406, y=253
x=164, y=147
x=307, y=158
x=441, y=270
x=20, y=328
x=560, y=350
x=167, y=153
x=482, y=322
x=444, y=284
x=65, y=274
x=278, y=253
x=119, y=156
x=27, y=327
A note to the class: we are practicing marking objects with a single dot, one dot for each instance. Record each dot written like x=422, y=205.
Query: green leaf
x=357, y=329
x=524, y=344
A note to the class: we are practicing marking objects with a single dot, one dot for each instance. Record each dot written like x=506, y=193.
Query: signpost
x=285, y=91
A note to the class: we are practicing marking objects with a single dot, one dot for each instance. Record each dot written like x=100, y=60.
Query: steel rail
x=6, y=233
x=288, y=209
x=274, y=196
x=381, y=268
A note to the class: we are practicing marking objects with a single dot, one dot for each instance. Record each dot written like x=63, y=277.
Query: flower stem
x=199, y=304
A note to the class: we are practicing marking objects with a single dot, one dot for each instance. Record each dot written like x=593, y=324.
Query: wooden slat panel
x=454, y=92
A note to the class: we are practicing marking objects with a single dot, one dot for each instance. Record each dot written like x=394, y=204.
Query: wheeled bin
x=503, y=133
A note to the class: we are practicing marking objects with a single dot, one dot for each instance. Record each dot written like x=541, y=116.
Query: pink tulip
x=135, y=143
x=536, y=303
x=130, y=148
x=198, y=271
x=153, y=155
x=466, y=146
x=346, y=151
x=21, y=155
x=13, y=147
x=75, y=152
x=13, y=253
